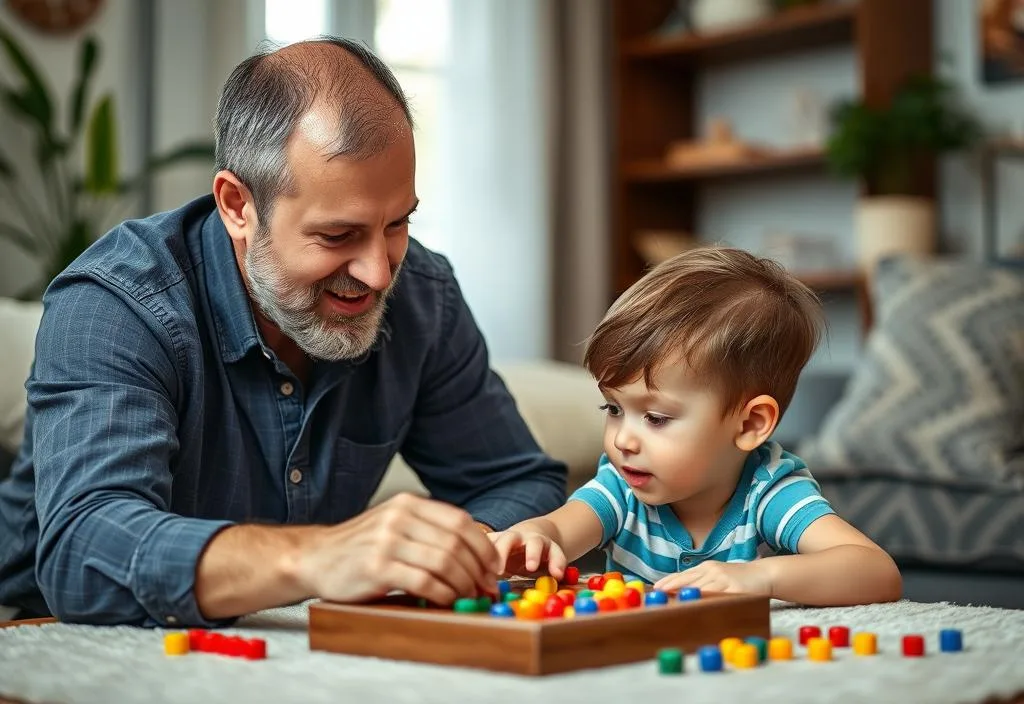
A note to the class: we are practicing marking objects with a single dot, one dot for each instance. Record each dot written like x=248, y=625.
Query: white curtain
x=495, y=148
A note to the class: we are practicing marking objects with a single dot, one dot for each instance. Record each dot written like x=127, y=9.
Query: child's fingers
x=556, y=561
x=535, y=548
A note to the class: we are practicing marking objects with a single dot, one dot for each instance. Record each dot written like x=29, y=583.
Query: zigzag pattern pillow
x=939, y=393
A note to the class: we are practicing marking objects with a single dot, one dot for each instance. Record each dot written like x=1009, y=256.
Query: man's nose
x=371, y=265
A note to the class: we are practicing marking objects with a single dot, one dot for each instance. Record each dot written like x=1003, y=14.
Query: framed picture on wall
x=1001, y=40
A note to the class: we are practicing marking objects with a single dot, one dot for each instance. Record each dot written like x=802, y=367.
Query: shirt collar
x=229, y=299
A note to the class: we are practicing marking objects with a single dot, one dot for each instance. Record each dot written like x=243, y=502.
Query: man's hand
x=425, y=548
x=715, y=576
x=525, y=552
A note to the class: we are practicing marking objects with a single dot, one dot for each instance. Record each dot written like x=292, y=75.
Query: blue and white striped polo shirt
x=775, y=500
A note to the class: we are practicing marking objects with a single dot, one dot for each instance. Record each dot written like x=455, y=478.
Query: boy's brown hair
x=741, y=321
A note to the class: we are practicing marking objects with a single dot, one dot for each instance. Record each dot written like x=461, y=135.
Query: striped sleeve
x=787, y=508
x=605, y=494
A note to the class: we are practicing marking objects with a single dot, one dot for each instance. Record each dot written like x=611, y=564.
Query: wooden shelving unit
x=655, y=170
x=654, y=80
x=800, y=28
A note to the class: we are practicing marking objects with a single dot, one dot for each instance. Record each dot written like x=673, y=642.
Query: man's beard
x=293, y=309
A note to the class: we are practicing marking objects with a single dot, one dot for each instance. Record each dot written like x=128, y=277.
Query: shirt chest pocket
x=357, y=470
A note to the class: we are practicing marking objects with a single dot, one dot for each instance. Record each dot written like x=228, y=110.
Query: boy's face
x=671, y=444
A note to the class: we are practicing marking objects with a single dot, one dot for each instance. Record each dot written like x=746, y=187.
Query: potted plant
x=55, y=204
x=888, y=150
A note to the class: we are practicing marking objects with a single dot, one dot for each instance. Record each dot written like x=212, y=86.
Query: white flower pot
x=714, y=15
x=887, y=225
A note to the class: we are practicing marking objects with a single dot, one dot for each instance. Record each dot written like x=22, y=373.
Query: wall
x=761, y=98
x=56, y=59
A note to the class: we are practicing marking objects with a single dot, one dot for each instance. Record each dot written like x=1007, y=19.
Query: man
x=257, y=357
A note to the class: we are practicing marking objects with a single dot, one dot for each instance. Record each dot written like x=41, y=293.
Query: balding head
x=268, y=95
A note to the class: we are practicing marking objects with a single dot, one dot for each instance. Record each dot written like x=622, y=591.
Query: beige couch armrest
x=18, y=324
x=558, y=401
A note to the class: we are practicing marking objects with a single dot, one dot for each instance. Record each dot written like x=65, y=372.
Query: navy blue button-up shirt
x=157, y=416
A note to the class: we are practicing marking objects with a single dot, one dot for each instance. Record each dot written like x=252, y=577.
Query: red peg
x=913, y=646
x=840, y=636
x=596, y=583
x=197, y=638
x=554, y=607
x=256, y=649
x=571, y=576
x=808, y=632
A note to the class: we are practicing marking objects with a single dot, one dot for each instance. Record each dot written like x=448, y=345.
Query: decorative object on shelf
x=884, y=148
x=716, y=15
x=1001, y=40
x=810, y=119
x=720, y=146
x=54, y=225
x=655, y=246
x=804, y=254
x=55, y=16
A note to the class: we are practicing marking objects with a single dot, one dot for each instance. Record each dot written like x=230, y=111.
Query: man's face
x=323, y=269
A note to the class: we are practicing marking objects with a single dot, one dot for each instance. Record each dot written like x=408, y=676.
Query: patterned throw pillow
x=939, y=393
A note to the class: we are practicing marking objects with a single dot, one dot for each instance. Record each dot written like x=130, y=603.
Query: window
x=287, y=21
x=411, y=37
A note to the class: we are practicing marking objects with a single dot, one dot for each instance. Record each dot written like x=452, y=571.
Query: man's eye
x=611, y=409
x=336, y=239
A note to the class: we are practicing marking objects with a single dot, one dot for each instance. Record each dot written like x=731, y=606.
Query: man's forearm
x=843, y=575
x=248, y=568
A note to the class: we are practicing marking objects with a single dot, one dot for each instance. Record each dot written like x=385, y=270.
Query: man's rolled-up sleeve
x=104, y=427
x=467, y=442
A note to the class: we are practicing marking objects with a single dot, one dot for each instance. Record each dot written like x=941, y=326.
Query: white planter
x=714, y=15
x=888, y=225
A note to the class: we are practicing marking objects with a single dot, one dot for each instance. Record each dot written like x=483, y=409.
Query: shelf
x=838, y=280
x=656, y=171
x=792, y=30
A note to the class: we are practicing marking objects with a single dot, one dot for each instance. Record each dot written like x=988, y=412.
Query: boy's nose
x=626, y=440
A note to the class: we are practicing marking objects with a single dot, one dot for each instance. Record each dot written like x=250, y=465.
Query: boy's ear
x=757, y=422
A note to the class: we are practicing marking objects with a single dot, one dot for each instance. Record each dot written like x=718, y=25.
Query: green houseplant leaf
x=87, y=58
x=34, y=99
x=101, y=149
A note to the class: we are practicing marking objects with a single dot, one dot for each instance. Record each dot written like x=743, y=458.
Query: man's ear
x=757, y=422
x=235, y=205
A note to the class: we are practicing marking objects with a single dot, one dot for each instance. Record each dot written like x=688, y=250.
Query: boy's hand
x=715, y=576
x=524, y=553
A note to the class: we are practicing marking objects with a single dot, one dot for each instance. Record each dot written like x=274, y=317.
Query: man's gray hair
x=268, y=93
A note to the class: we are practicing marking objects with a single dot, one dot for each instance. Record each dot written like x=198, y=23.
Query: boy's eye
x=611, y=409
x=656, y=421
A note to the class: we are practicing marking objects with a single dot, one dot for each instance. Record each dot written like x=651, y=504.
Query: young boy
x=697, y=362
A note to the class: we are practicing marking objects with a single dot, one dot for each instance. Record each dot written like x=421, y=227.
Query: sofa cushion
x=939, y=392
x=560, y=404
x=922, y=523
x=19, y=322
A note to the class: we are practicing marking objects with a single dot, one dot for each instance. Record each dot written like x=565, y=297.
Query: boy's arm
x=574, y=527
x=836, y=565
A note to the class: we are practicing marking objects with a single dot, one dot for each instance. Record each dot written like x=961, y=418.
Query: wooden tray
x=398, y=629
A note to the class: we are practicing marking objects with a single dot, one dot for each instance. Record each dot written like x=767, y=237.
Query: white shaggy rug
x=66, y=663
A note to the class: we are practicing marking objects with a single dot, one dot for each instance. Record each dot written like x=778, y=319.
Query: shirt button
x=287, y=388
x=171, y=620
x=687, y=560
x=295, y=476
